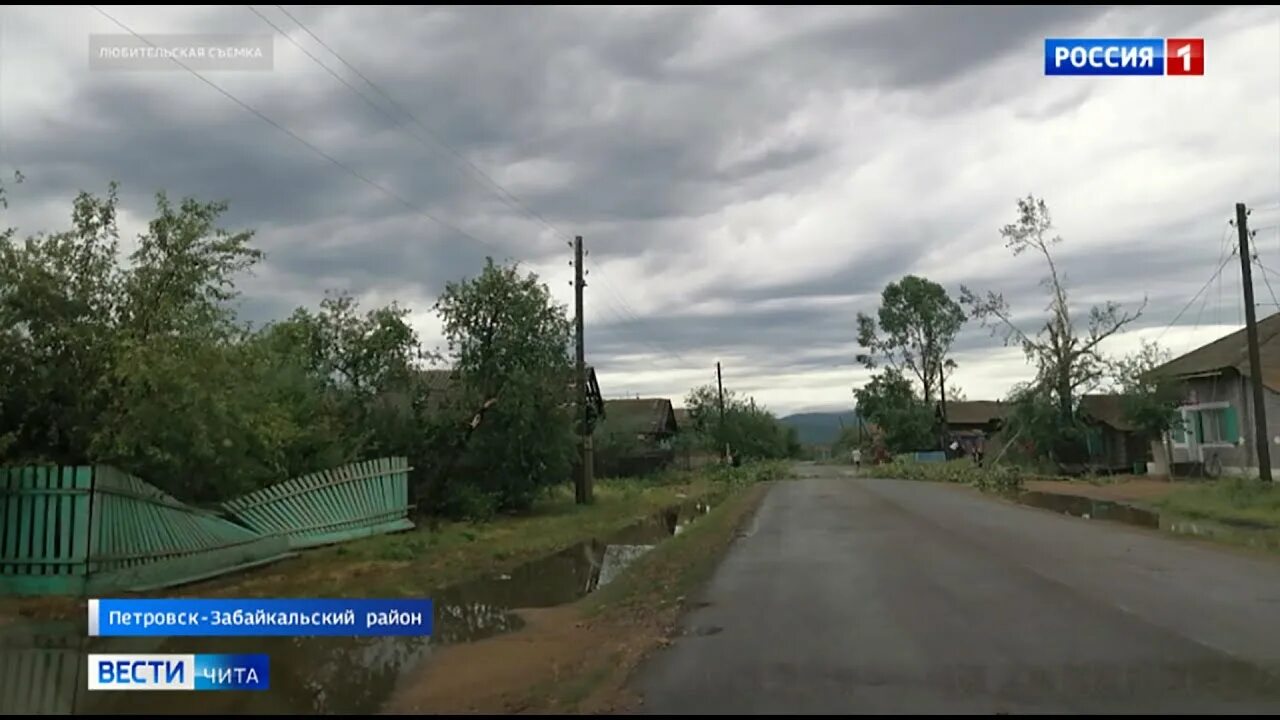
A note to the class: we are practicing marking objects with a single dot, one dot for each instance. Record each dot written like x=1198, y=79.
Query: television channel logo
x=178, y=672
x=1124, y=56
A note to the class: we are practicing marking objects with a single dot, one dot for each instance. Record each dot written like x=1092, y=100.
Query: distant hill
x=819, y=428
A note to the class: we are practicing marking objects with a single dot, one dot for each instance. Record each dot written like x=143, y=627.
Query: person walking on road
x=857, y=458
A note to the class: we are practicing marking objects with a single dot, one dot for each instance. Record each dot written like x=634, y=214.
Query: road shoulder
x=579, y=658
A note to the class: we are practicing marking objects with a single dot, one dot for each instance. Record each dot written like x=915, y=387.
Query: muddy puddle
x=43, y=665
x=1089, y=508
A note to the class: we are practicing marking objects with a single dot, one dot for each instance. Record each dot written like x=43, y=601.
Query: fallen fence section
x=92, y=530
x=353, y=501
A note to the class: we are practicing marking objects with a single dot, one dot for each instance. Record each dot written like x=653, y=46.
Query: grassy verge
x=421, y=561
x=999, y=478
x=1236, y=501
x=579, y=658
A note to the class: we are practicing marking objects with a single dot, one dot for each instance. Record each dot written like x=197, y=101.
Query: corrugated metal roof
x=1232, y=353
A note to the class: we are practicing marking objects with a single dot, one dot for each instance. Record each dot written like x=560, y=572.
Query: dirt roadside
x=1127, y=490
x=578, y=658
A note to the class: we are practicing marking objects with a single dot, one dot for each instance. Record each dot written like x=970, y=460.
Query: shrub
x=999, y=478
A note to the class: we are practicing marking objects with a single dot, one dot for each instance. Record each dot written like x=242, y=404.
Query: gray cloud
x=686, y=144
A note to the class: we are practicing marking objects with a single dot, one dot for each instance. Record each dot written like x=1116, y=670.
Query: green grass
x=668, y=574
x=423, y=560
x=1231, y=501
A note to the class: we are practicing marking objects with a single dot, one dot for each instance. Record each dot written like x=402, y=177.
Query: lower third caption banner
x=178, y=672
x=213, y=617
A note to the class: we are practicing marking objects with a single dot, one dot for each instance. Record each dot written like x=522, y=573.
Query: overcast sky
x=746, y=179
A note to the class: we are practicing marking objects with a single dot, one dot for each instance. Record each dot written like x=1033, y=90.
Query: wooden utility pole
x=720, y=389
x=1255, y=364
x=583, y=478
x=942, y=403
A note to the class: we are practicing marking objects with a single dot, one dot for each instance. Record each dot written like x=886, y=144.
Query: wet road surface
x=862, y=595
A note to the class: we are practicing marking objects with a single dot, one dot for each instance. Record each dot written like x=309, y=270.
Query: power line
x=503, y=193
x=1209, y=282
x=355, y=173
x=633, y=316
x=1266, y=271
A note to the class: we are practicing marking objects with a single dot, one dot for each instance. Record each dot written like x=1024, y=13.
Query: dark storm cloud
x=655, y=122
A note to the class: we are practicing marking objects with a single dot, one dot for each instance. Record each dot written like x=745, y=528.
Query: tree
x=509, y=343
x=1035, y=425
x=1068, y=361
x=179, y=410
x=1151, y=400
x=59, y=304
x=890, y=402
x=750, y=431
x=918, y=322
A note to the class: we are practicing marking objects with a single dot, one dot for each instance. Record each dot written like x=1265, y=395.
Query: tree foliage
x=1150, y=399
x=890, y=402
x=1037, y=431
x=140, y=362
x=509, y=343
x=917, y=323
x=750, y=431
x=1067, y=358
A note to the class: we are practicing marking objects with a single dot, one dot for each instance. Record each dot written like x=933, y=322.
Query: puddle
x=1089, y=508
x=1238, y=532
x=43, y=665
x=482, y=608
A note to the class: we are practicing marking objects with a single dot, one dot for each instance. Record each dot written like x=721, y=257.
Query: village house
x=970, y=424
x=636, y=437
x=651, y=422
x=1217, y=436
x=1114, y=443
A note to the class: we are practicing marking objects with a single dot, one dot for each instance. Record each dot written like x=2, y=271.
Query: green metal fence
x=44, y=529
x=146, y=539
x=353, y=501
x=95, y=530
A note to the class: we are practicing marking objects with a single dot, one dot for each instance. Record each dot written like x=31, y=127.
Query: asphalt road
x=858, y=595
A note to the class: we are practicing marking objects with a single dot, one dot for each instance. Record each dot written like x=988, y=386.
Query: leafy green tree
x=59, y=302
x=890, y=402
x=1067, y=359
x=1034, y=425
x=509, y=344
x=918, y=322
x=1150, y=399
x=750, y=431
x=180, y=412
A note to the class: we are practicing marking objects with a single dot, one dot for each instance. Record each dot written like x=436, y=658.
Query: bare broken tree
x=1067, y=360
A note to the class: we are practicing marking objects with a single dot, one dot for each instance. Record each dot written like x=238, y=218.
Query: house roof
x=682, y=418
x=1107, y=409
x=975, y=412
x=649, y=416
x=1232, y=352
